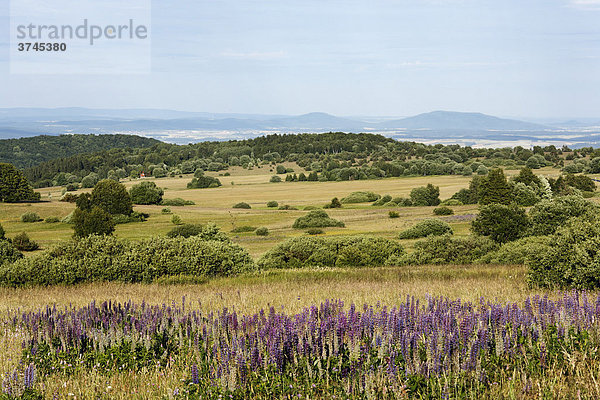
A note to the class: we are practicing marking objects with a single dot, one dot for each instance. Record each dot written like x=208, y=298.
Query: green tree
x=494, y=188
x=146, y=193
x=501, y=223
x=92, y=222
x=425, y=195
x=14, y=187
x=112, y=197
x=527, y=177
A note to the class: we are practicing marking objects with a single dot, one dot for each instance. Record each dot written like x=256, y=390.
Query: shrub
x=90, y=180
x=360, y=197
x=166, y=210
x=272, y=204
x=383, y=200
x=443, y=211
x=581, y=182
x=275, y=179
x=134, y=217
x=448, y=250
x=93, y=222
x=71, y=187
x=336, y=251
x=205, y=232
x=517, y=252
x=52, y=220
x=146, y=193
x=262, y=231
x=203, y=182
x=280, y=169
x=8, y=252
x=549, y=215
x=177, y=202
x=242, y=229
x=242, y=205
x=316, y=219
x=571, y=259
x=105, y=258
x=426, y=228
x=501, y=223
x=30, y=217
x=315, y=231
x=393, y=214
x=425, y=196
x=403, y=202
x=310, y=208
x=287, y=207
x=176, y=219
x=112, y=197
x=69, y=198
x=2, y=233
x=335, y=203
x=23, y=243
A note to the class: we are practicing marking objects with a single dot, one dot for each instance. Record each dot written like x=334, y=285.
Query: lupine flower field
x=438, y=348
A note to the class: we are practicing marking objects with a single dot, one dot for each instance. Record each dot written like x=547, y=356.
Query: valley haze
x=181, y=127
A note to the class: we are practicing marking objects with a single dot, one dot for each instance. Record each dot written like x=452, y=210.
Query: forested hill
x=327, y=156
x=31, y=151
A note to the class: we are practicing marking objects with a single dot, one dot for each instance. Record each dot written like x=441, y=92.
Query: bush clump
x=383, y=200
x=52, y=220
x=24, y=243
x=176, y=220
x=501, y=223
x=203, y=182
x=447, y=249
x=146, y=193
x=428, y=227
x=425, y=195
x=571, y=259
x=394, y=214
x=177, y=202
x=275, y=179
x=517, y=252
x=336, y=251
x=548, y=215
x=166, y=210
x=315, y=231
x=8, y=252
x=205, y=232
x=93, y=222
x=360, y=197
x=443, y=211
x=317, y=219
x=272, y=204
x=335, y=203
x=242, y=205
x=262, y=231
x=30, y=217
x=105, y=258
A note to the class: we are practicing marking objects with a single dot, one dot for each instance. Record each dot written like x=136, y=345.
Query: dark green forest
x=31, y=151
x=333, y=156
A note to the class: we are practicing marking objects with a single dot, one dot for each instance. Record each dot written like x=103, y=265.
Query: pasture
x=286, y=291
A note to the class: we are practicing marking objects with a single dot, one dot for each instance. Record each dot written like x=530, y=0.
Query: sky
x=517, y=58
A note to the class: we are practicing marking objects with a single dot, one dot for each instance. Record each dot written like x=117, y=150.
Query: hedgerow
x=448, y=250
x=105, y=258
x=335, y=251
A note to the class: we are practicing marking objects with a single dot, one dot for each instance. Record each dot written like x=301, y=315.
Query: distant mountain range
x=184, y=127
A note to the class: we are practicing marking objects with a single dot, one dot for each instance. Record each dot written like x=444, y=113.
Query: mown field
x=291, y=292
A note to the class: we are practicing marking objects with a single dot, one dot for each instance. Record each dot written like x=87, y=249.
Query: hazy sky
x=536, y=58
